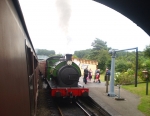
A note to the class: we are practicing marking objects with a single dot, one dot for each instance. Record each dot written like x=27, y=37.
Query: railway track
x=81, y=107
x=87, y=111
x=59, y=107
x=93, y=106
x=49, y=106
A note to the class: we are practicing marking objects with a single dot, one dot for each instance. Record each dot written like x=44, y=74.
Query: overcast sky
x=69, y=25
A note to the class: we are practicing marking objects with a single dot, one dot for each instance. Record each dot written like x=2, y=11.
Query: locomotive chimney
x=68, y=57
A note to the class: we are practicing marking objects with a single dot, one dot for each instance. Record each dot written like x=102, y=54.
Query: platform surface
x=126, y=107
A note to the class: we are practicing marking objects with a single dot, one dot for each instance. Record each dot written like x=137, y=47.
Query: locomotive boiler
x=63, y=75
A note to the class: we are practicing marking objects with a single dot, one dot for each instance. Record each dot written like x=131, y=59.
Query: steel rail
x=89, y=114
x=60, y=111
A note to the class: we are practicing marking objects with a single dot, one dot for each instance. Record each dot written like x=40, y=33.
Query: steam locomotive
x=62, y=75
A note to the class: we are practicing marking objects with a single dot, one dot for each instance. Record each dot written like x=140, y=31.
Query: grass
x=140, y=90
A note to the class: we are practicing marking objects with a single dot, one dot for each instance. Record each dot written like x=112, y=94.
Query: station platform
x=126, y=107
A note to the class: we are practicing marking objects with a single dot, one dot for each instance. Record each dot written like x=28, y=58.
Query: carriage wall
x=18, y=70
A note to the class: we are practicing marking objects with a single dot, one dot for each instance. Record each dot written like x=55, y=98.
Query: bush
x=125, y=77
x=121, y=66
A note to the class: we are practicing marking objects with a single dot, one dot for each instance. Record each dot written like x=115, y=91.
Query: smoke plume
x=64, y=11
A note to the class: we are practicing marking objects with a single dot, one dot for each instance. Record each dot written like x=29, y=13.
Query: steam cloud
x=64, y=11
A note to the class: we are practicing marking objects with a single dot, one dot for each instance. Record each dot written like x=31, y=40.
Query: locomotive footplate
x=69, y=92
x=57, y=91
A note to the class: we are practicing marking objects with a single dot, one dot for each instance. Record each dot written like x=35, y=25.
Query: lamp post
x=145, y=72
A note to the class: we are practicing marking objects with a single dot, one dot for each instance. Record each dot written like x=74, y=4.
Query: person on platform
x=98, y=76
x=90, y=75
x=95, y=75
x=85, y=75
x=107, y=75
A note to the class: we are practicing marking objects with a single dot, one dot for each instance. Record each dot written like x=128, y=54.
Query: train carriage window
x=35, y=62
x=29, y=61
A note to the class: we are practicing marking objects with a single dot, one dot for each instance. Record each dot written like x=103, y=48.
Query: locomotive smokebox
x=68, y=57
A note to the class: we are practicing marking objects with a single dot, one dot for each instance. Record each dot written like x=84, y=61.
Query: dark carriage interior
x=137, y=11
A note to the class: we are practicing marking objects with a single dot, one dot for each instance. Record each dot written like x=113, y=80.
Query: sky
x=71, y=25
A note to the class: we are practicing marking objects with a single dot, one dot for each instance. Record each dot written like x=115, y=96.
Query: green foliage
x=103, y=57
x=146, y=64
x=108, y=63
x=141, y=60
x=74, y=56
x=122, y=54
x=82, y=53
x=124, y=60
x=121, y=66
x=98, y=53
x=147, y=51
x=99, y=44
x=125, y=77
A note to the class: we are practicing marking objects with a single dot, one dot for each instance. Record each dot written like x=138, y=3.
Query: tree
x=82, y=53
x=103, y=59
x=147, y=51
x=121, y=66
x=99, y=44
x=74, y=56
x=98, y=53
x=102, y=56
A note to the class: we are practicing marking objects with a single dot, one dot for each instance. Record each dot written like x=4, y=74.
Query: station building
x=82, y=63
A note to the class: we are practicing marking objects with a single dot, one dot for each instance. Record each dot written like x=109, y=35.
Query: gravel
x=42, y=104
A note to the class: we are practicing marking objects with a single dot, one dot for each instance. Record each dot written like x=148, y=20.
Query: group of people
x=88, y=74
